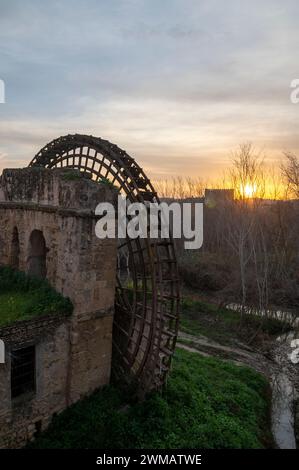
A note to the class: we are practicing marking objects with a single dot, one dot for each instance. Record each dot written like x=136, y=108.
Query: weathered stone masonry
x=20, y=419
x=73, y=355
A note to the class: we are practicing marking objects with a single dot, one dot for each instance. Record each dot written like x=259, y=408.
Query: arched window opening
x=37, y=257
x=15, y=250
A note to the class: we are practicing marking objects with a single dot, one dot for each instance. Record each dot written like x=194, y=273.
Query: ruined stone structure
x=127, y=328
x=47, y=229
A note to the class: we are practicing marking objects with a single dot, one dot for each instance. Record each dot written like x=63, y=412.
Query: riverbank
x=261, y=343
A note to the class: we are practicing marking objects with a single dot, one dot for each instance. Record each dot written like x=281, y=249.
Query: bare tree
x=180, y=187
x=247, y=177
x=247, y=172
x=290, y=171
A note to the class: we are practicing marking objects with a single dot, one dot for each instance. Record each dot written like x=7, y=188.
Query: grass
x=22, y=297
x=223, y=325
x=208, y=403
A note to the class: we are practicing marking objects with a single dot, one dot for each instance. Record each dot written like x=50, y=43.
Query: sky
x=178, y=84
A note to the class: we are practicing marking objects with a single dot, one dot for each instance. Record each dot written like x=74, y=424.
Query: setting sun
x=249, y=190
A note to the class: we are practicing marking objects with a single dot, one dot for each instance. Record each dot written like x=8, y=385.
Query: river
x=283, y=380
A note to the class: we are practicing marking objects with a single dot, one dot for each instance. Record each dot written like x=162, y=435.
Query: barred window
x=22, y=371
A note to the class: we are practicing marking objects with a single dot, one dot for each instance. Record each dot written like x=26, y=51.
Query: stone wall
x=60, y=203
x=22, y=417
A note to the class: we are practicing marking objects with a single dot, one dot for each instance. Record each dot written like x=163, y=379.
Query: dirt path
x=241, y=354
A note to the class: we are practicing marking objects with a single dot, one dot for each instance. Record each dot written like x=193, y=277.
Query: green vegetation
x=72, y=175
x=22, y=297
x=107, y=182
x=208, y=403
x=224, y=325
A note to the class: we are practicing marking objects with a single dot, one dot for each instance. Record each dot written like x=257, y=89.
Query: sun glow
x=248, y=190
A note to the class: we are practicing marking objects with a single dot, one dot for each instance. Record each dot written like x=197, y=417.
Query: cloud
x=163, y=140
x=173, y=81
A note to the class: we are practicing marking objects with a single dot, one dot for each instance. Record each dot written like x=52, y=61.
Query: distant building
x=213, y=197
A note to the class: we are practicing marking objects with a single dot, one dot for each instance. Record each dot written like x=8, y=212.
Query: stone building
x=47, y=229
x=214, y=197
